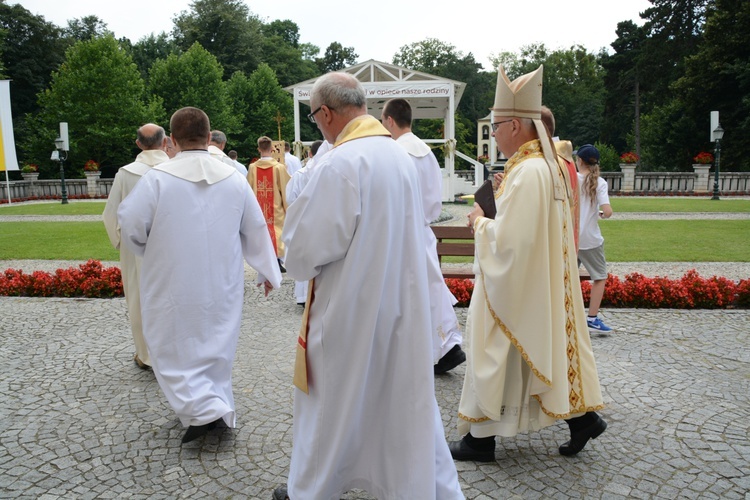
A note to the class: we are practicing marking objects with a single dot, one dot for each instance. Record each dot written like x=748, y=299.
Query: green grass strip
x=56, y=208
x=676, y=240
x=627, y=204
x=55, y=241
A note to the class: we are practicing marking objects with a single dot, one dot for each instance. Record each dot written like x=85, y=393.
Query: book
x=485, y=197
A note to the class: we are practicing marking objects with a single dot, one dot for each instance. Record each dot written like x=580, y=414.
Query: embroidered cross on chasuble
x=265, y=193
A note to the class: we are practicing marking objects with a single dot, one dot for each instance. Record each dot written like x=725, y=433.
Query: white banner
x=375, y=90
x=8, y=159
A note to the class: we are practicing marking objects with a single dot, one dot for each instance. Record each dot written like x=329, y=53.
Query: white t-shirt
x=590, y=236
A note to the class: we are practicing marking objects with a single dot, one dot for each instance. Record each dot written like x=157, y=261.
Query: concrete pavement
x=80, y=420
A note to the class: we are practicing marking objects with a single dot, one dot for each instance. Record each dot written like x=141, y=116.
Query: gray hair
x=338, y=90
x=152, y=141
x=218, y=137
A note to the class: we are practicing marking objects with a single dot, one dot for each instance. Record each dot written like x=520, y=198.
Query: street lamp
x=61, y=156
x=718, y=135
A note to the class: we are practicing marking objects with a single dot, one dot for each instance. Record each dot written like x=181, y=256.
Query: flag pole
x=7, y=186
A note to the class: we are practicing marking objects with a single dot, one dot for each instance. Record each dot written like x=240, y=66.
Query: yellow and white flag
x=8, y=159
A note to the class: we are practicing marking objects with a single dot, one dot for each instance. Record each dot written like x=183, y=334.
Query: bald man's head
x=150, y=136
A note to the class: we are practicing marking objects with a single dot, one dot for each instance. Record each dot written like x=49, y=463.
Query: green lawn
x=676, y=240
x=55, y=208
x=627, y=204
x=55, y=241
x=625, y=240
x=671, y=241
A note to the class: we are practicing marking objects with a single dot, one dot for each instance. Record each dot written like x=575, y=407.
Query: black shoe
x=195, y=431
x=452, y=359
x=280, y=493
x=281, y=266
x=460, y=450
x=579, y=438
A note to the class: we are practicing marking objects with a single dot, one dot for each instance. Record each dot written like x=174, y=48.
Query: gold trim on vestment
x=576, y=399
x=531, y=149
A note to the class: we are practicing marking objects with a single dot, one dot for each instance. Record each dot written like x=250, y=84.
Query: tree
x=100, y=94
x=573, y=87
x=150, y=48
x=717, y=77
x=442, y=59
x=623, y=88
x=86, y=28
x=193, y=79
x=336, y=57
x=282, y=52
x=31, y=49
x=226, y=29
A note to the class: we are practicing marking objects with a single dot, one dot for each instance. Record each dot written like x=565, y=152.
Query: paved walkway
x=80, y=420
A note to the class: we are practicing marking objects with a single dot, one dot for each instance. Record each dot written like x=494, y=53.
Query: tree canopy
x=652, y=92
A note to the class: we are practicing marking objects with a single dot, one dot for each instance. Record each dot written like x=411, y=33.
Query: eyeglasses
x=311, y=116
x=494, y=125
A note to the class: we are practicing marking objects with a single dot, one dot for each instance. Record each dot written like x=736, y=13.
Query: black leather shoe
x=281, y=266
x=452, y=359
x=280, y=493
x=195, y=431
x=462, y=451
x=578, y=439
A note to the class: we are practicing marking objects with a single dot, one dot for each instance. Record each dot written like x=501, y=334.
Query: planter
x=30, y=176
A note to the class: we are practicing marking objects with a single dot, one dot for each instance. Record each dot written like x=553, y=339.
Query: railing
x=674, y=183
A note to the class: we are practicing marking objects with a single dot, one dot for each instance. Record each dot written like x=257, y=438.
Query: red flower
x=629, y=157
x=704, y=158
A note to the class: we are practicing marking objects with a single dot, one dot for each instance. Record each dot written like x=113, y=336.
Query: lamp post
x=718, y=135
x=62, y=155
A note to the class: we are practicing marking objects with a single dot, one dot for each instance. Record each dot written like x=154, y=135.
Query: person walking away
x=594, y=205
x=152, y=141
x=192, y=219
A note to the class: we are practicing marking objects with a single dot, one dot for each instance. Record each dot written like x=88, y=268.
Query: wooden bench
x=464, y=249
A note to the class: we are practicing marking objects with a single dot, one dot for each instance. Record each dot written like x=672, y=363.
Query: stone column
x=628, y=177
x=32, y=177
x=92, y=183
x=702, y=177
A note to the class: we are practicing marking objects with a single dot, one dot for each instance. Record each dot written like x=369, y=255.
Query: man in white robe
x=293, y=164
x=216, y=150
x=446, y=335
x=152, y=141
x=293, y=189
x=530, y=360
x=365, y=414
x=193, y=219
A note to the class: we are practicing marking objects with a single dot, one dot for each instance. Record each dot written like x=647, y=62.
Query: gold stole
x=300, y=360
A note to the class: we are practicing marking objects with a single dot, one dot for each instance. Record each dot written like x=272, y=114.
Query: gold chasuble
x=362, y=126
x=530, y=359
x=268, y=179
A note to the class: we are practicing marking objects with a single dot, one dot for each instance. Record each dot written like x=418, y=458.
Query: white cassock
x=445, y=331
x=293, y=164
x=193, y=219
x=370, y=419
x=130, y=264
x=223, y=157
x=293, y=189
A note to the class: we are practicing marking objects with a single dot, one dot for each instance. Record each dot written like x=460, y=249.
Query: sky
x=377, y=30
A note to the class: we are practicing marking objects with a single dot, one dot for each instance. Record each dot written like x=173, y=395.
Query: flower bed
x=637, y=291
x=90, y=280
x=692, y=291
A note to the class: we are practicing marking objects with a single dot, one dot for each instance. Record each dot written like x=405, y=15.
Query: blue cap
x=588, y=153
